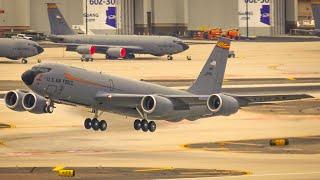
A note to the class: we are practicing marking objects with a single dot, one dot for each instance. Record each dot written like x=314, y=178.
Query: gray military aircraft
x=15, y=49
x=113, y=46
x=56, y=83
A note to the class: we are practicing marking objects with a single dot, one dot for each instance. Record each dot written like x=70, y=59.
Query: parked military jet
x=56, y=83
x=113, y=46
x=15, y=49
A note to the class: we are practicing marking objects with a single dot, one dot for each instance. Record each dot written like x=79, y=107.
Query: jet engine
x=116, y=52
x=222, y=104
x=13, y=100
x=156, y=105
x=34, y=103
x=86, y=49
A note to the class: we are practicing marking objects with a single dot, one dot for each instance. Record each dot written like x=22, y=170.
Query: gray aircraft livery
x=15, y=49
x=56, y=83
x=113, y=46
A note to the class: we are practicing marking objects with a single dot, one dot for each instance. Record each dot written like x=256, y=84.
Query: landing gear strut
x=95, y=124
x=144, y=125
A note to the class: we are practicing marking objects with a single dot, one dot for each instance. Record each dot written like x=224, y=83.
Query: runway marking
x=291, y=78
x=250, y=174
x=283, y=174
x=58, y=168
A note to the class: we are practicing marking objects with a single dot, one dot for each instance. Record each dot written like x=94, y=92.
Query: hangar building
x=266, y=17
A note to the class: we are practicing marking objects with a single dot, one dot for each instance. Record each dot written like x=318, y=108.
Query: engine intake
x=222, y=104
x=34, y=103
x=13, y=100
x=156, y=105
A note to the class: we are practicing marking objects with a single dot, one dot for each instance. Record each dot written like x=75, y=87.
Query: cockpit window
x=41, y=69
x=177, y=41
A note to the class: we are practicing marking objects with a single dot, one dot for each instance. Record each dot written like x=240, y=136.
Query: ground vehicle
x=22, y=36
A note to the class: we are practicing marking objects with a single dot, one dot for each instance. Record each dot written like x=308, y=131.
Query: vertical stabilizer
x=58, y=24
x=211, y=77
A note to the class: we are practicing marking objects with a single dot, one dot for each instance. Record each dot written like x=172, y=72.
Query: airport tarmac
x=59, y=139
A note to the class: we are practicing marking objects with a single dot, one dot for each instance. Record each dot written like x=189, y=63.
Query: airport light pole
x=247, y=17
x=86, y=15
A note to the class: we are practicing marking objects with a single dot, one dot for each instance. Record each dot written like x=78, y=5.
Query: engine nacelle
x=156, y=105
x=222, y=104
x=117, y=52
x=34, y=103
x=86, y=49
x=13, y=100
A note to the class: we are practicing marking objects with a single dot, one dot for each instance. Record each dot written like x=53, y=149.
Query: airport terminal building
x=264, y=17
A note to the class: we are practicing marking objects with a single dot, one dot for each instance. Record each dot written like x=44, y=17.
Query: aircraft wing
x=104, y=46
x=134, y=100
x=245, y=100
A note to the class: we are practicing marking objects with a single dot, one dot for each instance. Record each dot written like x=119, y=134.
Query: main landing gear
x=95, y=124
x=144, y=125
x=169, y=57
x=86, y=58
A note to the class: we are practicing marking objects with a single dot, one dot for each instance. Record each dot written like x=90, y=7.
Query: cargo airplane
x=15, y=49
x=56, y=83
x=113, y=46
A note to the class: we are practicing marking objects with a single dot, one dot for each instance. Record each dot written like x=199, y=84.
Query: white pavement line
x=258, y=175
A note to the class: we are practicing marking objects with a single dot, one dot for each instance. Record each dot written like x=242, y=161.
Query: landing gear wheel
x=137, y=124
x=49, y=109
x=169, y=57
x=144, y=125
x=88, y=123
x=103, y=125
x=95, y=124
x=24, y=61
x=152, y=126
x=189, y=58
x=130, y=56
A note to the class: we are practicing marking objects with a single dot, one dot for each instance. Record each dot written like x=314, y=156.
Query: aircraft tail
x=316, y=15
x=58, y=24
x=211, y=77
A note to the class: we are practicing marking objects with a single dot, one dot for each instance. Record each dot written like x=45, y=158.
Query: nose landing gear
x=24, y=61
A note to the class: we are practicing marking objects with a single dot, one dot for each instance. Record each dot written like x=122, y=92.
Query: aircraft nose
x=185, y=46
x=40, y=49
x=28, y=77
